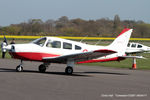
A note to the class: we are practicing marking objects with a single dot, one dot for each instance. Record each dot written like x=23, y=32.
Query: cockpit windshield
x=40, y=41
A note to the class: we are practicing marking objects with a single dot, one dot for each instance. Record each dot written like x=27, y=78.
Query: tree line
x=64, y=26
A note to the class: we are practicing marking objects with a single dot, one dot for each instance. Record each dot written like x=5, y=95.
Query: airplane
x=134, y=48
x=56, y=50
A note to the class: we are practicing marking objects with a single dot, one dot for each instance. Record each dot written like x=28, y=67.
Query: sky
x=17, y=11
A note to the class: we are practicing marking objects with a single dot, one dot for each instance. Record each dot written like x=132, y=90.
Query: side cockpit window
x=139, y=46
x=67, y=45
x=128, y=45
x=133, y=45
x=56, y=44
x=77, y=47
x=53, y=44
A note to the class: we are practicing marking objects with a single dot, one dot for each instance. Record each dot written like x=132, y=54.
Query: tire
x=19, y=68
x=42, y=68
x=69, y=70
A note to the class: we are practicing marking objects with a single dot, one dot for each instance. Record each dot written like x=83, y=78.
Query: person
x=3, y=45
x=13, y=41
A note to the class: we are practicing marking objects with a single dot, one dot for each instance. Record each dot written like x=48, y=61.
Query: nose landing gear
x=19, y=68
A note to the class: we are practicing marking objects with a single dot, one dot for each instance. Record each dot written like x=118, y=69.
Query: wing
x=79, y=56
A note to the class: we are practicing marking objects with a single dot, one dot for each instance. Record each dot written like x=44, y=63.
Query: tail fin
x=120, y=43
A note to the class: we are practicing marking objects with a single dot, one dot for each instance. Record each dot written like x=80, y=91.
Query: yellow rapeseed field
x=74, y=38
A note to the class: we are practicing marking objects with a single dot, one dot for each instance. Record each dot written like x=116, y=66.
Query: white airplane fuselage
x=35, y=52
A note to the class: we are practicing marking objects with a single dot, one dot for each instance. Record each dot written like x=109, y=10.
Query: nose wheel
x=19, y=68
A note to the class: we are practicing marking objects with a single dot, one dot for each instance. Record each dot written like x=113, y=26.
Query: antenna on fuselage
x=97, y=42
x=84, y=38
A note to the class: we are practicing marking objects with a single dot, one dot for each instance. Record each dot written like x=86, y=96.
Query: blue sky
x=16, y=11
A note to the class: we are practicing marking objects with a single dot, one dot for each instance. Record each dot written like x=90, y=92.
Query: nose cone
x=11, y=51
x=12, y=48
x=17, y=47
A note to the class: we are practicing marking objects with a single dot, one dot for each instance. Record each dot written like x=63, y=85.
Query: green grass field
x=141, y=63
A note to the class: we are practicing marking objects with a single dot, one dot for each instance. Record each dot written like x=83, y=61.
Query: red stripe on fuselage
x=102, y=60
x=105, y=51
x=32, y=56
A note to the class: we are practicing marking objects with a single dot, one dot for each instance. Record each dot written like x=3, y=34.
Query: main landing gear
x=69, y=68
x=43, y=67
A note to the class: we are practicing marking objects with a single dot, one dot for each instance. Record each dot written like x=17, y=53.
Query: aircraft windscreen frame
x=40, y=41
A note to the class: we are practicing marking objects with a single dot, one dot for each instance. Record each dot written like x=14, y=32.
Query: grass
x=141, y=63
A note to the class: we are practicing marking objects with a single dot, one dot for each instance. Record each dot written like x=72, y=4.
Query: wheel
x=19, y=68
x=42, y=68
x=69, y=70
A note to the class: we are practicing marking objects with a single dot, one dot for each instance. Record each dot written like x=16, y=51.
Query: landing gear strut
x=19, y=68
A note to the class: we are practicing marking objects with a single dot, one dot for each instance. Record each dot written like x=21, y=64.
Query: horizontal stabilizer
x=138, y=57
